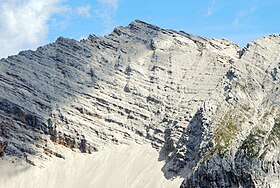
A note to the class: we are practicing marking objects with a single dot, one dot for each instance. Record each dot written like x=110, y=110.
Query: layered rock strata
x=209, y=107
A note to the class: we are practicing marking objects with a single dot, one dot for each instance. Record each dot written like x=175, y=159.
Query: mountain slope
x=209, y=107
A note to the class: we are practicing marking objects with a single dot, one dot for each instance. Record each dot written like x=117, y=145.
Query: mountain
x=208, y=107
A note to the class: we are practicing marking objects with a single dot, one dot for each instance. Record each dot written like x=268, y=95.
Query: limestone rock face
x=210, y=108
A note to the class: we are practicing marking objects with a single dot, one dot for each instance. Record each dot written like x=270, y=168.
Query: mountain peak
x=144, y=25
x=211, y=115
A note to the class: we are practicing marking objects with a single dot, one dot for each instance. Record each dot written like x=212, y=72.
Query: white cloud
x=112, y=3
x=244, y=16
x=210, y=8
x=107, y=12
x=24, y=23
x=84, y=11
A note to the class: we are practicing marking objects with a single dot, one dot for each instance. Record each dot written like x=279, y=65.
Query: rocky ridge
x=209, y=107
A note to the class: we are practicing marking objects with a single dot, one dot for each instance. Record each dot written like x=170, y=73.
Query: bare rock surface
x=209, y=107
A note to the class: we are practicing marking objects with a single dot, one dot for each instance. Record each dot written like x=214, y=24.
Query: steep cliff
x=210, y=108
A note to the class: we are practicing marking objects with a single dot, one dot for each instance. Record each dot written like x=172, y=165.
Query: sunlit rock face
x=209, y=107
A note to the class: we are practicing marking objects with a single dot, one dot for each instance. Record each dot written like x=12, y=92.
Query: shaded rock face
x=208, y=106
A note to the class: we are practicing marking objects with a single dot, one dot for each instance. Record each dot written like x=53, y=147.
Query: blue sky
x=31, y=23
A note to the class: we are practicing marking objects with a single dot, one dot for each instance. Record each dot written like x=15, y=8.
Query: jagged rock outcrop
x=208, y=106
